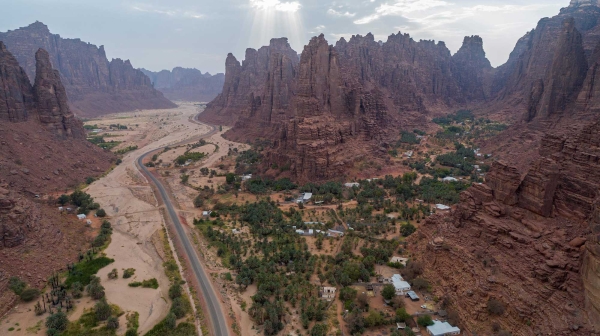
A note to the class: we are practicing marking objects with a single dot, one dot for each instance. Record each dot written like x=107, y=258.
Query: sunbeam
x=274, y=18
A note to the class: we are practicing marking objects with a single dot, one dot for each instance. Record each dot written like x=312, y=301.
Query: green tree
x=102, y=310
x=101, y=213
x=425, y=321
x=230, y=178
x=179, y=307
x=319, y=329
x=175, y=291
x=347, y=293
x=171, y=321
x=57, y=321
x=388, y=292
x=77, y=289
x=63, y=199
x=407, y=229
x=112, y=323
x=402, y=315
x=95, y=289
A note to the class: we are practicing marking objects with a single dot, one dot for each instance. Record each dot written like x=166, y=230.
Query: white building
x=351, y=184
x=442, y=329
x=334, y=233
x=81, y=216
x=400, y=285
x=328, y=293
x=400, y=260
x=246, y=177
x=304, y=198
x=449, y=179
x=206, y=213
x=88, y=222
x=442, y=207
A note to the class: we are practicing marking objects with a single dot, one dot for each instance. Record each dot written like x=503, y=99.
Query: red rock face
x=338, y=103
x=15, y=89
x=93, y=84
x=538, y=237
x=182, y=84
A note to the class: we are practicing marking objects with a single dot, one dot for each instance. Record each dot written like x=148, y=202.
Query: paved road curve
x=217, y=319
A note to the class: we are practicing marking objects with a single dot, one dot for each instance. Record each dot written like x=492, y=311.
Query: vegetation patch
x=150, y=283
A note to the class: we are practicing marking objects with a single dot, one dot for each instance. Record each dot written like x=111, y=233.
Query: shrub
x=425, y=321
x=319, y=329
x=175, y=291
x=101, y=213
x=402, y=315
x=85, y=270
x=150, y=283
x=16, y=285
x=30, y=294
x=95, y=289
x=179, y=307
x=57, y=321
x=407, y=229
x=114, y=274
x=420, y=284
x=112, y=323
x=131, y=332
x=63, y=199
x=128, y=273
x=171, y=321
x=347, y=293
x=77, y=289
x=102, y=310
x=495, y=307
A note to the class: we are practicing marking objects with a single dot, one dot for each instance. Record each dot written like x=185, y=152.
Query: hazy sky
x=199, y=33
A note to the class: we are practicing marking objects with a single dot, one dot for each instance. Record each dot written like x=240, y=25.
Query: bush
x=30, y=294
x=102, y=310
x=402, y=315
x=16, y=285
x=175, y=291
x=131, y=332
x=85, y=270
x=170, y=321
x=347, y=293
x=495, y=307
x=425, y=321
x=77, y=289
x=320, y=329
x=128, y=273
x=57, y=321
x=95, y=289
x=63, y=199
x=150, y=283
x=179, y=307
x=420, y=284
x=114, y=274
x=101, y=213
x=112, y=323
x=407, y=229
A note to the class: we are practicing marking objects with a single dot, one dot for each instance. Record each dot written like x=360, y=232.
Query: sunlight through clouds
x=291, y=6
x=401, y=7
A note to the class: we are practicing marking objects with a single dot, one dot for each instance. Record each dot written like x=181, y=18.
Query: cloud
x=290, y=6
x=401, y=7
x=167, y=11
x=317, y=30
x=335, y=13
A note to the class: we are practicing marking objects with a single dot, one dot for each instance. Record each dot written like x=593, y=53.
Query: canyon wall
x=530, y=242
x=93, y=84
x=42, y=150
x=183, y=84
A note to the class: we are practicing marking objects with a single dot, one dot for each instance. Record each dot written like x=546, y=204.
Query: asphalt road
x=217, y=319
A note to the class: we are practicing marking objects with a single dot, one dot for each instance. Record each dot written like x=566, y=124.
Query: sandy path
x=132, y=208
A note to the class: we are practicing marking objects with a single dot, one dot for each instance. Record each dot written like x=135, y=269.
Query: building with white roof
x=400, y=285
x=449, y=179
x=399, y=260
x=351, y=184
x=442, y=207
x=442, y=329
x=81, y=216
x=304, y=198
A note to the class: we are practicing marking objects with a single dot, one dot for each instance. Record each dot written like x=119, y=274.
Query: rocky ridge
x=42, y=150
x=93, y=84
x=530, y=242
x=183, y=84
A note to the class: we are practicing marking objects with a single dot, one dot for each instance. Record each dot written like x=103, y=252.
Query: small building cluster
x=401, y=286
x=442, y=329
x=304, y=198
x=327, y=293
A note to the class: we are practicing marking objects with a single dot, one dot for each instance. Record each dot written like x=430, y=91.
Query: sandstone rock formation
x=186, y=84
x=93, y=84
x=530, y=243
x=42, y=150
x=326, y=111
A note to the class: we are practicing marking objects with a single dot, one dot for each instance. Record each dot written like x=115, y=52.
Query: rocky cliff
x=339, y=97
x=182, y=84
x=93, y=84
x=42, y=150
x=531, y=242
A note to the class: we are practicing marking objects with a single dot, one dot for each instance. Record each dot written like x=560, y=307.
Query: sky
x=199, y=34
